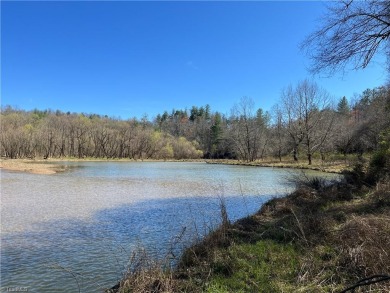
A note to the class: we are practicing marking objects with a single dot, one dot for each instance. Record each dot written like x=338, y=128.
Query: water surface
x=76, y=230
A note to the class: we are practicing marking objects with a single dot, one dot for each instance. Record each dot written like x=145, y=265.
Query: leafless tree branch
x=351, y=34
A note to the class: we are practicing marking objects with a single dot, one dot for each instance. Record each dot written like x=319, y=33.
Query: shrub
x=379, y=166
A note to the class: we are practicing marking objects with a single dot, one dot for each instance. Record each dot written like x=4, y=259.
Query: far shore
x=41, y=166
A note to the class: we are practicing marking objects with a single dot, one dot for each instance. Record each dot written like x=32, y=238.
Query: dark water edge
x=91, y=255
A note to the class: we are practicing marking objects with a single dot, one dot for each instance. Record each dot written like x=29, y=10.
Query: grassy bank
x=330, y=166
x=320, y=238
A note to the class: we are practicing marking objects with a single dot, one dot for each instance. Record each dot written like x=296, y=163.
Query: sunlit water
x=75, y=231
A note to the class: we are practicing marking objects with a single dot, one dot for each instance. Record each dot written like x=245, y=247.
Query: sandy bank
x=30, y=166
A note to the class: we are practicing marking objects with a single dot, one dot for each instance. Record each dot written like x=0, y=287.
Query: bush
x=379, y=167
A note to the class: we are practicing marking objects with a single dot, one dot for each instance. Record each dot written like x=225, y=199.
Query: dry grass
x=147, y=275
x=363, y=242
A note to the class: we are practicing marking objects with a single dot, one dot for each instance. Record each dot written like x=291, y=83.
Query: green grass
x=266, y=266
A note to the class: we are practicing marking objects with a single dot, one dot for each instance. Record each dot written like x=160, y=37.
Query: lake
x=76, y=230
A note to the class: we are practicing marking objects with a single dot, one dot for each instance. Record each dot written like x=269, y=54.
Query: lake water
x=75, y=231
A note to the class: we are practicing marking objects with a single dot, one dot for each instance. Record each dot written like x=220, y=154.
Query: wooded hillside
x=305, y=122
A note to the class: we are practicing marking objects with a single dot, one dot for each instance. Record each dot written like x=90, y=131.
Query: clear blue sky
x=125, y=59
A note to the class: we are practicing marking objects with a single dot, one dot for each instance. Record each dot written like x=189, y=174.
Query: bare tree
x=292, y=119
x=243, y=128
x=47, y=136
x=11, y=135
x=278, y=133
x=352, y=33
x=307, y=116
x=82, y=126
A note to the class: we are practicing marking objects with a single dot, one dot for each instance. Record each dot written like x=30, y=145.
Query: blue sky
x=125, y=58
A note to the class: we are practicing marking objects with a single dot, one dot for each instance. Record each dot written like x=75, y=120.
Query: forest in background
x=305, y=122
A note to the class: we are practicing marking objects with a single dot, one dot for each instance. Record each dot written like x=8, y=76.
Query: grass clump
x=146, y=274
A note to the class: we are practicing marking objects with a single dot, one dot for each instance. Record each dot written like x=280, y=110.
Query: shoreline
x=336, y=168
x=48, y=166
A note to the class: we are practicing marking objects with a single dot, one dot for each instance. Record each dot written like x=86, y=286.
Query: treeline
x=303, y=123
